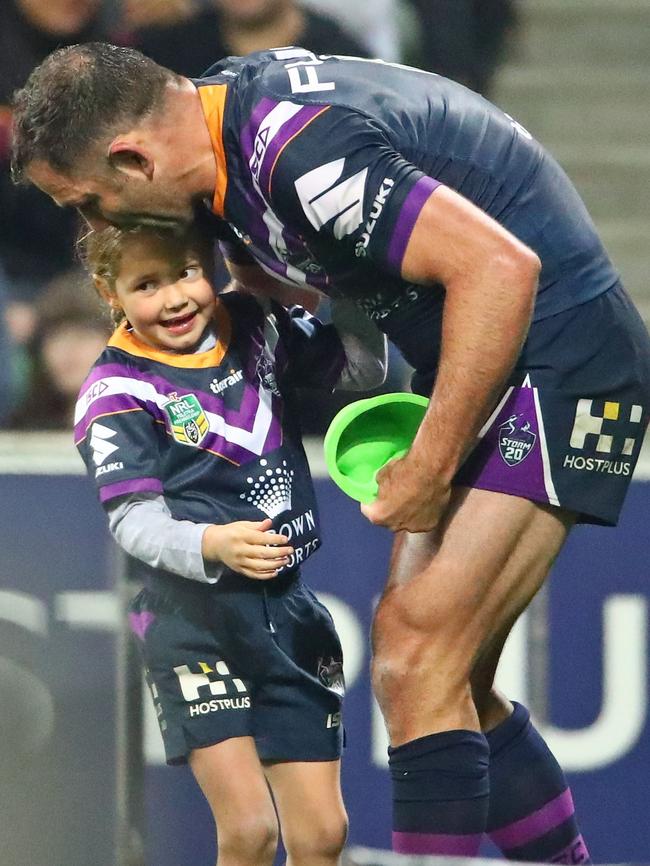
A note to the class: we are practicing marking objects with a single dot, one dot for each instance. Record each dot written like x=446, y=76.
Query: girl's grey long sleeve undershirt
x=143, y=526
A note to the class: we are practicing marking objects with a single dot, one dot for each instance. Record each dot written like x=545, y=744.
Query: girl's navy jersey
x=324, y=164
x=212, y=431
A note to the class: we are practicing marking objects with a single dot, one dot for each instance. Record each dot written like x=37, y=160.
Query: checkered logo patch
x=606, y=430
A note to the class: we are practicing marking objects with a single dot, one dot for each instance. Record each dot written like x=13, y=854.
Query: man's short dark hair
x=76, y=97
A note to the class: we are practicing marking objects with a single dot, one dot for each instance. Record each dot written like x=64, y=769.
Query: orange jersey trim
x=126, y=340
x=213, y=100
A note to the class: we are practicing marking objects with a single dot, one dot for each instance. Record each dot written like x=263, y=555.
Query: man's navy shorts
x=242, y=658
x=568, y=429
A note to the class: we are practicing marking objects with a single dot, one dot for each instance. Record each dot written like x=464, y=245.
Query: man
x=435, y=211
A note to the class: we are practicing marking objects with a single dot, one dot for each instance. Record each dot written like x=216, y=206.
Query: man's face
x=110, y=197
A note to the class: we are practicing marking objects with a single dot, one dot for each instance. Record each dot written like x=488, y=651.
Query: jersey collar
x=127, y=341
x=213, y=100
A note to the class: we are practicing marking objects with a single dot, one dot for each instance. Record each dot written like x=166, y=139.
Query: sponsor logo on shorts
x=330, y=673
x=597, y=464
x=213, y=680
x=215, y=705
x=516, y=440
x=156, y=701
x=607, y=431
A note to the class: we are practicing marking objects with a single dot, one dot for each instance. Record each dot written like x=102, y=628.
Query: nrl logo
x=516, y=440
x=187, y=421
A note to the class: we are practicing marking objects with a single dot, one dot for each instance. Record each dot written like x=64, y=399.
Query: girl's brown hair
x=101, y=252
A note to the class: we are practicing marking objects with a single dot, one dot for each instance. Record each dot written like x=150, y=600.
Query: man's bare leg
x=451, y=597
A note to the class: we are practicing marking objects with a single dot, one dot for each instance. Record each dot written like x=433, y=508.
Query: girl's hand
x=247, y=547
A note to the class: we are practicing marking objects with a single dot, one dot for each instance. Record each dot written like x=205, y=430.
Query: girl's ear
x=105, y=292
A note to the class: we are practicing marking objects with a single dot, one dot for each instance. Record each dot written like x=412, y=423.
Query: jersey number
x=302, y=72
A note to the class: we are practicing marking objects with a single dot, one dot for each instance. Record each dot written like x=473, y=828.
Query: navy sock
x=440, y=793
x=531, y=813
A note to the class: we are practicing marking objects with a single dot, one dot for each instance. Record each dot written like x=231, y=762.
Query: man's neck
x=187, y=132
x=286, y=28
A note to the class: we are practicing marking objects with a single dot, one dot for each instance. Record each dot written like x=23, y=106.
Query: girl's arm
x=365, y=348
x=144, y=527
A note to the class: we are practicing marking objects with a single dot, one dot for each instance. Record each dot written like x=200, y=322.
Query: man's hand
x=409, y=497
x=247, y=547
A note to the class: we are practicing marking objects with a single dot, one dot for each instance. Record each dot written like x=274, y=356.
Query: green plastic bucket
x=365, y=435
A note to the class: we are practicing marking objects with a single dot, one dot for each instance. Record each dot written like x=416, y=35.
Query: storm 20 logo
x=516, y=440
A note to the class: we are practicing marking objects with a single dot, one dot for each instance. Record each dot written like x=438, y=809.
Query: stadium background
x=578, y=77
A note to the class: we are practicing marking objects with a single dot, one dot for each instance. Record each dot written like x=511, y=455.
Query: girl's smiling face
x=164, y=290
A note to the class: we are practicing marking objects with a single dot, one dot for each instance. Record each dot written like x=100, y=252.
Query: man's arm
x=491, y=281
x=251, y=278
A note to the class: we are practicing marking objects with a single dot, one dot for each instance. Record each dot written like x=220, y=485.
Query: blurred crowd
x=51, y=325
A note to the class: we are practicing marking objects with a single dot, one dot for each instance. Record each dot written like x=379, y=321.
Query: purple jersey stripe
x=462, y=845
x=250, y=130
x=140, y=622
x=256, y=203
x=536, y=824
x=132, y=485
x=292, y=127
x=408, y=215
x=113, y=405
x=244, y=417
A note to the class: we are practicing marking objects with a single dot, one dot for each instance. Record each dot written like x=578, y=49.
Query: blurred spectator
x=8, y=374
x=36, y=237
x=376, y=24
x=237, y=27
x=137, y=14
x=71, y=331
x=463, y=39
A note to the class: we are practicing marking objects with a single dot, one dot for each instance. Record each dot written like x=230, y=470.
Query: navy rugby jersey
x=324, y=163
x=211, y=431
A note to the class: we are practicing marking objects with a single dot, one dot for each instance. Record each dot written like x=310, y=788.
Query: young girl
x=186, y=424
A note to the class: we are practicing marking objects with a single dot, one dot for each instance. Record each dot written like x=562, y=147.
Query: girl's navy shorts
x=242, y=658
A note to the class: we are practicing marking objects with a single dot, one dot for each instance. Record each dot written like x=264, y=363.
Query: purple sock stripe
x=140, y=622
x=465, y=845
x=576, y=852
x=536, y=824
